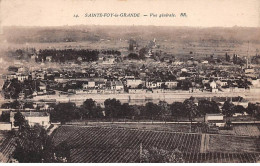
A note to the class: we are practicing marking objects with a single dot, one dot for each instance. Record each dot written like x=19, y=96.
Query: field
x=220, y=157
x=185, y=127
x=6, y=147
x=89, y=144
x=233, y=144
x=96, y=144
x=106, y=144
x=144, y=126
x=246, y=130
x=243, y=130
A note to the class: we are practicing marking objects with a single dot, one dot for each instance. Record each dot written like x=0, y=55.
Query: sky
x=200, y=13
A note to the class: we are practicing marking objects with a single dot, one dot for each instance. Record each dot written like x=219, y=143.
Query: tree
x=140, y=86
x=178, y=110
x=112, y=107
x=142, y=52
x=28, y=105
x=136, y=110
x=131, y=44
x=15, y=104
x=206, y=106
x=88, y=108
x=62, y=152
x=227, y=58
x=239, y=109
x=30, y=145
x=163, y=86
x=98, y=112
x=186, y=84
x=34, y=145
x=227, y=108
x=12, y=89
x=164, y=108
x=152, y=109
x=126, y=110
x=64, y=112
x=133, y=56
x=5, y=117
x=191, y=108
x=252, y=109
x=19, y=120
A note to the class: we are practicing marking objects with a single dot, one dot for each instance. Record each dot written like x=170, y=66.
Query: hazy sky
x=200, y=13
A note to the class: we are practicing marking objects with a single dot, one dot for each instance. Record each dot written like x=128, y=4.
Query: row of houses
x=20, y=76
x=134, y=83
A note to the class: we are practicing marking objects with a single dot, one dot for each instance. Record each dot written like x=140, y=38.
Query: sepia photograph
x=127, y=81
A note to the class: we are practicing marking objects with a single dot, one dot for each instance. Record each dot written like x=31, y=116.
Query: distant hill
x=96, y=33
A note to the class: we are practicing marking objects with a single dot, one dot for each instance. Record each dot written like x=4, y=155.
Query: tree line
x=113, y=108
x=67, y=55
x=62, y=55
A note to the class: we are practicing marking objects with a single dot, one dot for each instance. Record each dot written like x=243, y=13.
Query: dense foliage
x=34, y=145
x=67, y=55
x=155, y=155
x=113, y=108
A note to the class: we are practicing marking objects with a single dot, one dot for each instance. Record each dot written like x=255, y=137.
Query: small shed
x=215, y=119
